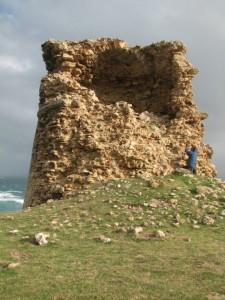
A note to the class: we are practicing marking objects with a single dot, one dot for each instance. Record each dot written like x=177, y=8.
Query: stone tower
x=108, y=111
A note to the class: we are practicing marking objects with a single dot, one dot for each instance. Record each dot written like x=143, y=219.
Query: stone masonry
x=108, y=111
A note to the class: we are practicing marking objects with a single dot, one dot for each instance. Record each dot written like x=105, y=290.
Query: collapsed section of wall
x=107, y=111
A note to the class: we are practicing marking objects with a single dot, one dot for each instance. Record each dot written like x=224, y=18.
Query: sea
x=12, y=191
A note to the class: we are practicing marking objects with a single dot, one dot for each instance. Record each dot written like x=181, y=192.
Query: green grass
x=188, y=264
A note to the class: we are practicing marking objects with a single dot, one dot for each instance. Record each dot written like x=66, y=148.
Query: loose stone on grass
x=104, y=239
x=208, y=220
x=41, y=238
x=138, y=230
x=160, y=234
x=14, y=231
x=13, y=265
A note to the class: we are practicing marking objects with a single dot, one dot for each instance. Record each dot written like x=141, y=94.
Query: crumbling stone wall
x=109, y=111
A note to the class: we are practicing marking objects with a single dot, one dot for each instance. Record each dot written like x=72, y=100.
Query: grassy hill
x=126, y=239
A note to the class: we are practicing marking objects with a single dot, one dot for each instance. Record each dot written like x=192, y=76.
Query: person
x=192, y=158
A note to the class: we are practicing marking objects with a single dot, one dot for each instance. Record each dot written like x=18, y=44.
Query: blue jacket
x=192, y=158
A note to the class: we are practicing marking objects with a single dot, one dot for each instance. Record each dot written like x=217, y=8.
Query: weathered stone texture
x=108, y=111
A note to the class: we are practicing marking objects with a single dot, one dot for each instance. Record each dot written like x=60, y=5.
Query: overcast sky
x=26, y=24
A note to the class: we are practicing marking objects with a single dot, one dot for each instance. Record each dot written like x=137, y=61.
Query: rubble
x=41, y=238
x=160, y=234
x=222, y=212
x=104, y=239
x=108, y=111
x=14, y=231
x=204, y=190
x=207, y=220
x=13, y=265
x=138, y=230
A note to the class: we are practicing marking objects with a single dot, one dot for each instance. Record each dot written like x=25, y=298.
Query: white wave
x=14, y=191
x=7, y=196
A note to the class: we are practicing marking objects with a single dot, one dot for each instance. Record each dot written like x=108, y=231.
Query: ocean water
x=11, y=193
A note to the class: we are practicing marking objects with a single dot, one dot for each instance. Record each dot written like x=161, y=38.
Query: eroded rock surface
x=109, y=111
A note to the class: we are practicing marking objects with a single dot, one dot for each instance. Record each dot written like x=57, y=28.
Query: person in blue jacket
x=192, y=158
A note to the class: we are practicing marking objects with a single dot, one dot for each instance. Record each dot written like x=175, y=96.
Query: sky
x=26, y=24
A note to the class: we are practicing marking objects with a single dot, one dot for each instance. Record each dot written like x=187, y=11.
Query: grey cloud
x=25, y=24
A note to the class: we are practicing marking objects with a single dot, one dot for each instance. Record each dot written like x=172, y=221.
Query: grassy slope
x=188, y=264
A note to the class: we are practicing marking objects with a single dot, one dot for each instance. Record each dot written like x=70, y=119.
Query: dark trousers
x=192, y=169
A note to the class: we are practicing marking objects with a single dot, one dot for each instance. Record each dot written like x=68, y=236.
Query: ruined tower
x=108, y=111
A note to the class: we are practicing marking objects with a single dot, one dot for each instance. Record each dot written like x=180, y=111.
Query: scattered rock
x=187, y=239
x=195, y=202
x=84, y=213
x=115, y=225
x=138, y=230
x=178, y=218
x=14, y=231
x=173, y=201
x=54, y=222
x=10, y=218
x=104, y=239
x=154, y=204
x=204, y=190
x=111, y=213
x=50, y=201
x=160, y=234
x=153, y=183
x=121, y=229
x=222, y=212
x=13, y=265
x=216, y=296
x=196, y=226
x=182, y=171
x=207, y=220
x=26, y=237
x=41, y=238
